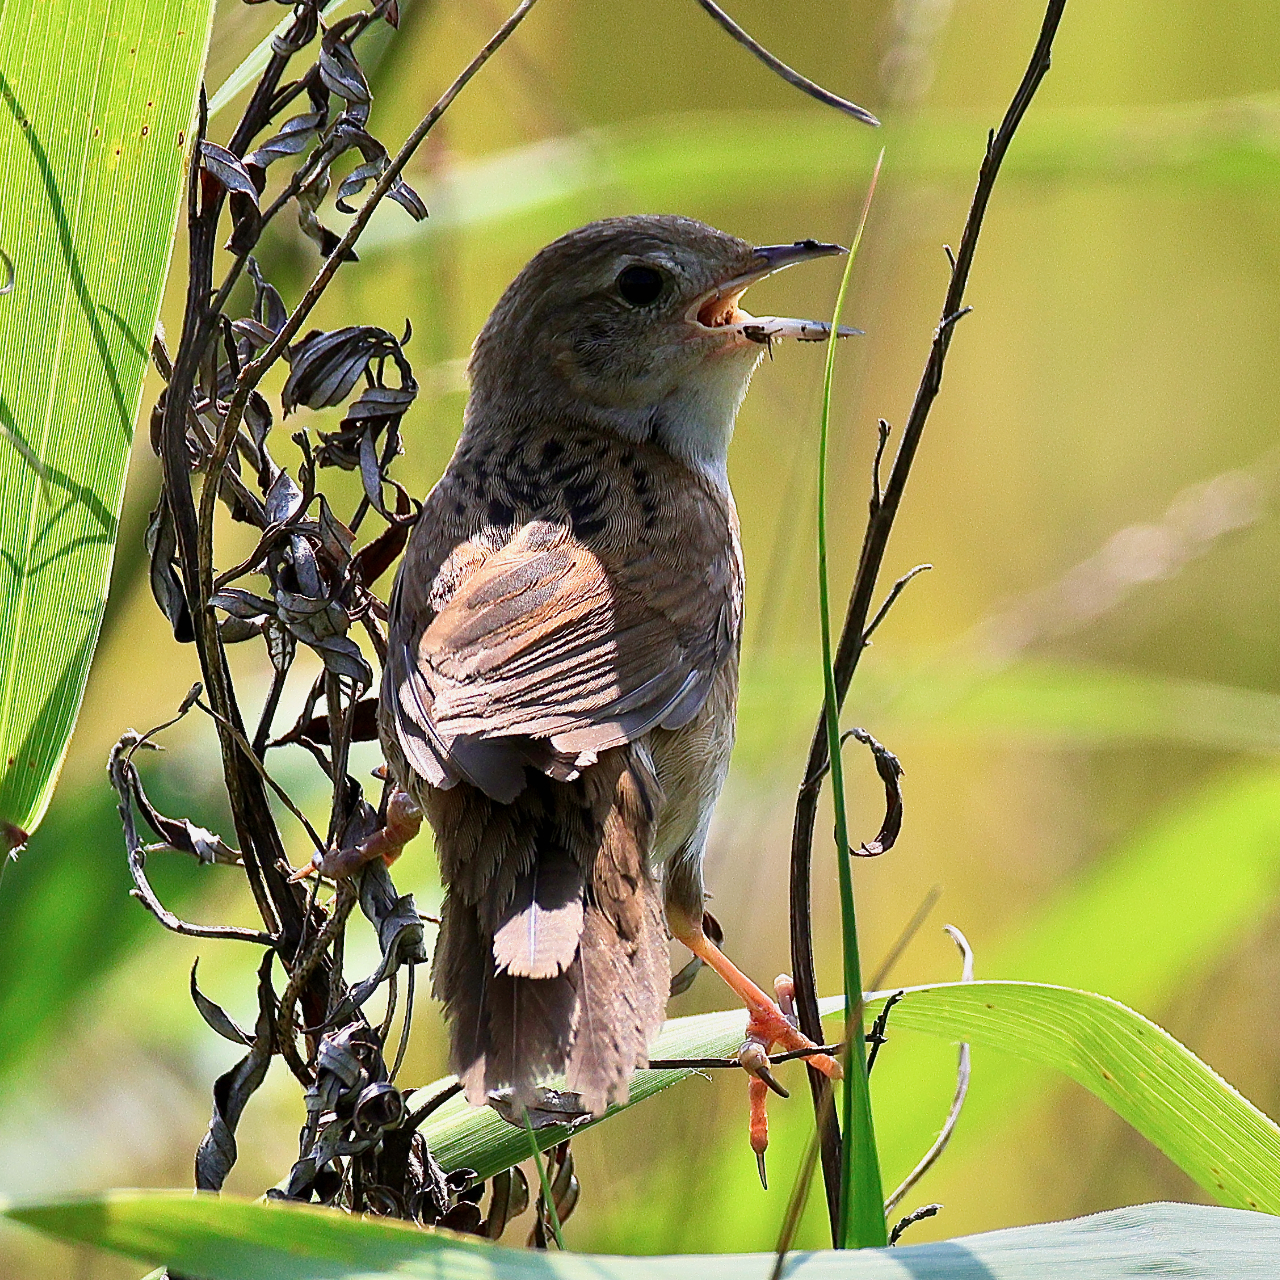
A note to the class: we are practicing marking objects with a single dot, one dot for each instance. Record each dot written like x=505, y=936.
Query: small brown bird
x=562, y=666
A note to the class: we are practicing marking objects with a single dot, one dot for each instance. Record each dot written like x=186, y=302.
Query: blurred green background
x=1083, y=691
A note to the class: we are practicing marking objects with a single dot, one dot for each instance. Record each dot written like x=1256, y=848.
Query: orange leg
x=767, y=1025
x=404, y=819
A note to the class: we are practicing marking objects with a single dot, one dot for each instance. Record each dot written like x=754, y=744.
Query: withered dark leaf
x=238, y=630
x=283, y=499
x=246, y=223
x=161, y=542
x=242, y=604
x=308, y=201
x=889, y=769
x=281, y=645
x=370, y=470
x=376, y=160
x=376, y=557
x=268, y=306
x=464, y=1217
x=215, y=1015
x=307, y=595
x=379, y=1106
x=253, y=331
x=306, y=21
x=551, y=1107
x=335, y=537
x=340, y=70
x=364, y=725
x=343, y=658
x=400, y=932
x=293, y=138
x=381, y=402
x=233, y=1089
x=229, y=170
x=325, y=366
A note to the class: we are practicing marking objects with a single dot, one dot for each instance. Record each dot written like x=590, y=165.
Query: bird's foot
x=403, y=821
x=769, y=1024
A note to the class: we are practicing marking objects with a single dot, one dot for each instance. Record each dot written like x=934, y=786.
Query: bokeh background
x=1083, y=691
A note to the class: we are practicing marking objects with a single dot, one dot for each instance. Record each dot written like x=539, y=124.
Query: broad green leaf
x=668, y=159
x=1140, y=1071
x=94, y=128
x=226, y=1238
x=1151, y=919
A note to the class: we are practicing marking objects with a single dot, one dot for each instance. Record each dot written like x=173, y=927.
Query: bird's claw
x=753, y=1058
x=403, y=821
x=768, y=1025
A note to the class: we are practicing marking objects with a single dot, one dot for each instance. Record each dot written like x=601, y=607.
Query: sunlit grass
x=861, y=1195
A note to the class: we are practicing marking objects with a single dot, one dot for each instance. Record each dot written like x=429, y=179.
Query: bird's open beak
x=718, y=309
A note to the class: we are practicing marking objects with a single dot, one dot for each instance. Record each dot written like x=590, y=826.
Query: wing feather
x=549, y=650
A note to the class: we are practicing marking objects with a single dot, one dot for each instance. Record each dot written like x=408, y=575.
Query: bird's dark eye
x=639, y=285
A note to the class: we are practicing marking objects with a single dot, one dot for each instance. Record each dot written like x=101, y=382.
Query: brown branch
x=776, y=65
x=853, y=637
x=123, y=778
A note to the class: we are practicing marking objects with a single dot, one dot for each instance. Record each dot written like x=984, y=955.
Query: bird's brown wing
x=549, y=651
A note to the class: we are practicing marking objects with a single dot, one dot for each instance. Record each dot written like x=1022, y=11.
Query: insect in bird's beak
x=719, y=309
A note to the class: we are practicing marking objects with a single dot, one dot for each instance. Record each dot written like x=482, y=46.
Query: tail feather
x=530, y=1034
x=560, y=962
x=623, y=999
x=539, y=931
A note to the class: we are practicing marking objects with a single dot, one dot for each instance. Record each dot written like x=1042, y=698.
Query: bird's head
x=635, y=324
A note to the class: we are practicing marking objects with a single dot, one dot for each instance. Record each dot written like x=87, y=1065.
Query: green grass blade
x=1218, y=1138
x=547, y=1198
x=229, y=1238
x=1204, y=872
x=861, y=1222
x=96, y=104
x=1146, y=1076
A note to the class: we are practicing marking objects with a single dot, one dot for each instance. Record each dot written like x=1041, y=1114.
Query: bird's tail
x=553, y=951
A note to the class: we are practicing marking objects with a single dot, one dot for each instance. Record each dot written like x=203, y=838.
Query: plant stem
x=861, y=1195
x=853, y=637
x=544, y=1182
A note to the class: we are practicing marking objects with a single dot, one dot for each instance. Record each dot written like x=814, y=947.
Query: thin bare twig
x=779, y=67
x=889, y=600
x=711, y=1064
x=123, y=774
x=434, y=1103
x=403, y=1046
x=904, y=939
x=963, y=1064
x=853, y=637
